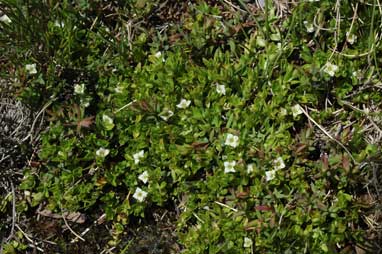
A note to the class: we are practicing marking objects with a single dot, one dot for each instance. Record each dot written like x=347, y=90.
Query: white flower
x=79, y=89
x=269, y=175
x=358, y=74
x=232, y=140
x=330, y=69
x=31, y=68
x=249, y=168
x=85, y=102
x=296, y=110
x=118, y=89
x=220, y=89
x=183, y=103
x=229, y=166
x=144, y=177
x=138, y=156
x=247, y=242
x=283, y=112
x=102, y=152
x=59, y=24
x=140, y=194
x=166, y=115
x=158, y=54
x=260, y=42
x=351, y=38
x=279, y=163
x=5, y=19
x=107, y=119
x=309, y=26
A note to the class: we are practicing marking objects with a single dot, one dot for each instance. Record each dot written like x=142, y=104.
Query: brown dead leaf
x=243, y=194
x=263, y=208
x=35, y=164
x=345, y=163
x=199, y=145
x=359, y=250
x=75, y=217
x=325, y=161
x=299, y=148
x=101, y=181
x=86, y=122
x=175, y=37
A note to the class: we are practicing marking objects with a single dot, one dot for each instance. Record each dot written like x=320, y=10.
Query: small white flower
x=309, y=26
x=227, y=106
x=183, y=103
x=118, y=89
x=158, y=54
x=31, y=68
x=144, y=177
x=220, y=89
x=166, y=115
x=260, y=42
x=79, y=89
x=85, y=102
x=138, y=156
x=249, y=168
x=278, y=45
x=232, y=140
x=59, y=24
x=107, y=120
x=351, y=38
x=358, y=74
x=296, y=110
x=247, y=242
x=5, y=19
x=283, y=112
x=102, y=152
x=331, y=69
x=270, y=175
x=140, y=194
x=229, y=166
x=279, y=163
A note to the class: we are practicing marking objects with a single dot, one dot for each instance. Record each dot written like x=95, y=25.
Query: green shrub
x=221, y=130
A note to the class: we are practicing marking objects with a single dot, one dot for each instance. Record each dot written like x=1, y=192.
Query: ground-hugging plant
x=250, y=131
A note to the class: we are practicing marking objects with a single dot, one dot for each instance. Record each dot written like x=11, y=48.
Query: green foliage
x=117, y=118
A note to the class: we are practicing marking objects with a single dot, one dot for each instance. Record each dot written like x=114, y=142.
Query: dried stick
x=328, y=134
x=71, y=230
x=13, y=213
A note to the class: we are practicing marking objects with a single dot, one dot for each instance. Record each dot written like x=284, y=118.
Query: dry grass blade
x=328, y=134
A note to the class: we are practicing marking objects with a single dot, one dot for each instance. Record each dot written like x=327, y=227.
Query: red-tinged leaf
x=299, y=148
x=35, y=164
x=242, y=194
x=325, y=161
x=175, y=37
x=261, y=154
x=263, y=208
x=199, y=145
x=345, y=163
x=144, y=106
x=86, y=122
